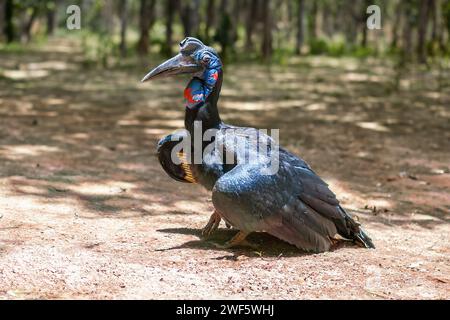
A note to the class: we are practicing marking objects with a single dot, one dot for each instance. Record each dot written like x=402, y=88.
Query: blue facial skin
x=199, y=88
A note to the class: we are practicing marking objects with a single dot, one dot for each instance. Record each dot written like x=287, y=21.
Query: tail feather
x=357, y=233
x=362, y=238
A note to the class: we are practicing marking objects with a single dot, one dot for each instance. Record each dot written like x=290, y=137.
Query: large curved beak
x=176, y=65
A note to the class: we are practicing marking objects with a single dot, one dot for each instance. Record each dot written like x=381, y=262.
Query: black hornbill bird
x=292, y=203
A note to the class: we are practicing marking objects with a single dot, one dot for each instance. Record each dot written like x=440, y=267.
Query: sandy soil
x=87, y=212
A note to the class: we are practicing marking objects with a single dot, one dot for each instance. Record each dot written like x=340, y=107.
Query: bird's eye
x=206, y=58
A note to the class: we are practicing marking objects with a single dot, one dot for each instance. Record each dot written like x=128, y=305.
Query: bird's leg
x=238, y=239
x=212, y=224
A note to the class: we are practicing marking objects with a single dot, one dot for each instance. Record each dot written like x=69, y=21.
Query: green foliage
x=318, y=46
x=13, y=48
x=337, y=49
x=281, y=55
x=363, y=52
x=446, y=13
x=97, y=48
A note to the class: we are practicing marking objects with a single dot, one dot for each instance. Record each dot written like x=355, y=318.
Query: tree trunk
x=195, y=17
x=236, y=11
x=189, y=14
x=447, y=24
x=439, y=27
x=313, y=22
x=396, y=25
x=123, y=8
x=170, y=10
x=434, y=20
x=146, y=19
x=28, y=25
x=185, y=15
x=210, y=18
x=2, y=18
x=266, y=48
x=363, y=22
x=300, y=26
x=223, y=34
x=422, y=30
x=408, y=24
x=250, y=23
x=51, y=17
x=326, y=21
x=107, y=17
x=364, y=36
x=352, y=22
x=9, y=26
x=289, y=21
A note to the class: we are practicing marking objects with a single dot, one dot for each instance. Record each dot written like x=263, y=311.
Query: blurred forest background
x=268, y=30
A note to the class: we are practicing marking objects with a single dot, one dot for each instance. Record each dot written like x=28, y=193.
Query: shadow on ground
x=78, y=162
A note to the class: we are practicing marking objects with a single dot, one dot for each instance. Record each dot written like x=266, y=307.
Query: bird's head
x=194, y=58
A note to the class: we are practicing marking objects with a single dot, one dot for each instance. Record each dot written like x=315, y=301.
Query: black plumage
x=293, y=204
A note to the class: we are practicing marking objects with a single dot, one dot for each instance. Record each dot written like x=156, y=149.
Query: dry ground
x=87, y=212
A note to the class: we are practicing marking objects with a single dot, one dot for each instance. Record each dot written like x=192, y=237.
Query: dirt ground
x=87, y=212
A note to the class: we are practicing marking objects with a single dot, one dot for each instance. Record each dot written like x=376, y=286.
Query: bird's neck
x=207, y=113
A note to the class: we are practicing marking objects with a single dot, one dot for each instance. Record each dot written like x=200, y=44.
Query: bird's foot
x=237, y=240
x=212, y=225
x=334, y=242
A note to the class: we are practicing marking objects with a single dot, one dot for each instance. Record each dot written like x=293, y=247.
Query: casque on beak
x=177, y=65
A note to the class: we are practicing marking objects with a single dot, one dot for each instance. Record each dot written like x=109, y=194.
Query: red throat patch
x=188, y=95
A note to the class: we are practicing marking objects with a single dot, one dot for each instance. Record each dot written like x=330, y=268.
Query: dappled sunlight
x=79, y=136
x=341, y=62
x=80, y=181
x=34, y=204
x=61, y=46
x=163, y=123
x=316, y=107
x=22, y=107
x=249, y=106
x=134, y=167
x=54, y=101
x=431, y=164
x=418, y=217
x=362, y=77
x=48, y=65
x=156, y=132
x=129, y=122
x=380, y=203
x=19, y=152
x=21, y=185
x=262, y=105
x=102, y=159
x=36, y=70
x=24, y=74
x=176, y=124
x=179, y=207
x=375, y=126
x=191, y=206
x=88, y=212
x=353, y=199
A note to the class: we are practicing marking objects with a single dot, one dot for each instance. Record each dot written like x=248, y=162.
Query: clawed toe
x=237, y=240
x=212, y=225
